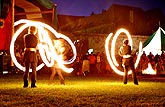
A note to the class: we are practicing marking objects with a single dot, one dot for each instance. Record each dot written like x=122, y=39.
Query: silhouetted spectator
x=98, y=62
x=85, y=66
x=92, y=60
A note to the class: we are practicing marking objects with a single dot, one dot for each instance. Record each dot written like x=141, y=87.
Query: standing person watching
x=92, y=60
x=127, y=61
x=30, y=56
x=98, y=62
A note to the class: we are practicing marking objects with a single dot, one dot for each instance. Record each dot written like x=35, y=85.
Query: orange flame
x=149, y=70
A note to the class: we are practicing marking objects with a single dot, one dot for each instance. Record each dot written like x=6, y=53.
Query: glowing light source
x=46, y=48
x=149, y=70
x=111, y=57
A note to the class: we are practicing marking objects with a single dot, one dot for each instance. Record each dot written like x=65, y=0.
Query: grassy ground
x=79, y=91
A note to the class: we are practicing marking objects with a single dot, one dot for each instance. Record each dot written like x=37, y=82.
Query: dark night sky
x=85, y=7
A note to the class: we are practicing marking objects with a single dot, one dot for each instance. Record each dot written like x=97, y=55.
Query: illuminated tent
x=155, y=43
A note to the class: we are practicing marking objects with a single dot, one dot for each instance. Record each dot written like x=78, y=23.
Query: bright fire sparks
x=46, y=48
x=149, y=70
x=111, y=58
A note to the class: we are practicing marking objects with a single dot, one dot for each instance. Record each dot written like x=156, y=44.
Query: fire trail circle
x=46, y=49
x=111, y=57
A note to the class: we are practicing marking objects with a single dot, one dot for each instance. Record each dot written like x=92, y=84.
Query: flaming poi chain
x=46, y=48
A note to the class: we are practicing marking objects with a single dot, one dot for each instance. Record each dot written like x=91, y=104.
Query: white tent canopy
x=154, y=44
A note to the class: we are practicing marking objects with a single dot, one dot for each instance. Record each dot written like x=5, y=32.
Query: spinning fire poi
x=111, y=57
x=46, y=49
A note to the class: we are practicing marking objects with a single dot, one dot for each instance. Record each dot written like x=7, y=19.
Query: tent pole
x=12, y=23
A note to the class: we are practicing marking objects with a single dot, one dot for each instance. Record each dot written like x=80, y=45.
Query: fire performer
x=127, y=61
x=60, y=49
x=30, y=56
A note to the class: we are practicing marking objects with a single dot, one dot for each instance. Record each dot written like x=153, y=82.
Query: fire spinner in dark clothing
x=30, y=56
x=127, y=62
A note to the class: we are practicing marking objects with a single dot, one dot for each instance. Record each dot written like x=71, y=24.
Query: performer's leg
x=134, y=75
x=53, y=73
x=61, y=78
x=125, y=75
x=33, y=78
x=26, y=74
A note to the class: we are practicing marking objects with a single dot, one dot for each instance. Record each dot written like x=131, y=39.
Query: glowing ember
x=149, y=70
x=46, y=48
x=111, y=58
